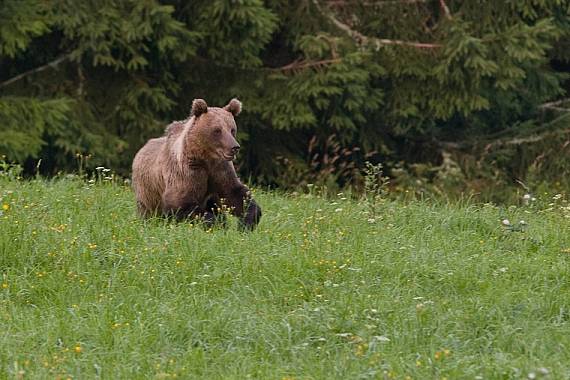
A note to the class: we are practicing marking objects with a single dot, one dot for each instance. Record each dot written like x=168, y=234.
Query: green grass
x=320, y=290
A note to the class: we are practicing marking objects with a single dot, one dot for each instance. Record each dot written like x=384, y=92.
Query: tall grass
x=321, y=290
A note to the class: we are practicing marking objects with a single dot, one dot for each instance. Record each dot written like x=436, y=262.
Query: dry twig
x=53, y=64
x=365, y=40
x=303, y=64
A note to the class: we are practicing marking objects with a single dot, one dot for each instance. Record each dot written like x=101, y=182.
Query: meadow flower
x=506, y=222
x=442, y=354
x=360, y=349
x=5, y=207
x=527, y=199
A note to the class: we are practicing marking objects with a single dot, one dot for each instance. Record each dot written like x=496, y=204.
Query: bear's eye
x=233, y=131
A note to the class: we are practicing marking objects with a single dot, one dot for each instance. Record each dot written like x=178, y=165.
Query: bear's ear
x=199, y=107
x=234, y=106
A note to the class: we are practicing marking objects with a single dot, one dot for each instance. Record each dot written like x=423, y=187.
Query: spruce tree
x=406, y=79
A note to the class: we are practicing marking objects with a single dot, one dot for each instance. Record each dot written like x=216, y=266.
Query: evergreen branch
x=361, y=39
x=53, y=64
x=302, y=64
x=297, y=64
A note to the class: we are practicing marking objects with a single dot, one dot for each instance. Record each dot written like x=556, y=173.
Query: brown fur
x=188, y=172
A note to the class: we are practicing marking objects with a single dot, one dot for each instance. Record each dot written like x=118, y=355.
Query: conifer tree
x=101, y=77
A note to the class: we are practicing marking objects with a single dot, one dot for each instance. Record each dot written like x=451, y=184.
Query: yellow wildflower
x=5, y=207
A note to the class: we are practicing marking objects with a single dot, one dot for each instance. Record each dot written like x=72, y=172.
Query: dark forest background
x=450, y=96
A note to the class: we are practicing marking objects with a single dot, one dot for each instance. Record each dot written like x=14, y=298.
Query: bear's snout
x=235, y=149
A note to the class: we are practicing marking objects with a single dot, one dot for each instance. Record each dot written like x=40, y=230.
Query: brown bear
x=189, y=172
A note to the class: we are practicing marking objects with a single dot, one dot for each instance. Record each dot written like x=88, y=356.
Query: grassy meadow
x=325, y=288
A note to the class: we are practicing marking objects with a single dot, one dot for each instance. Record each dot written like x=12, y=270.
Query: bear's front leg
x=214, y=214
x=182, y=202
x=244, y=207
x=173, y=206
x=236, y=195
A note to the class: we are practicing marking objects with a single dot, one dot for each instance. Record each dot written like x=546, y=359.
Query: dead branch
x=506, y=142
x=365, y=40
x=445, y=9
x=300, y=64
x=528, y=139
x=554, y=105
x=344, y=3
x=53, y=65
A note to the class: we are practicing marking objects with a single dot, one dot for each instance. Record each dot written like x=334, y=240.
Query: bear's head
x=214, y=129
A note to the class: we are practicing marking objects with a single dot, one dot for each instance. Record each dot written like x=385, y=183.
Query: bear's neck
x=186, y=148
x=180, y=146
